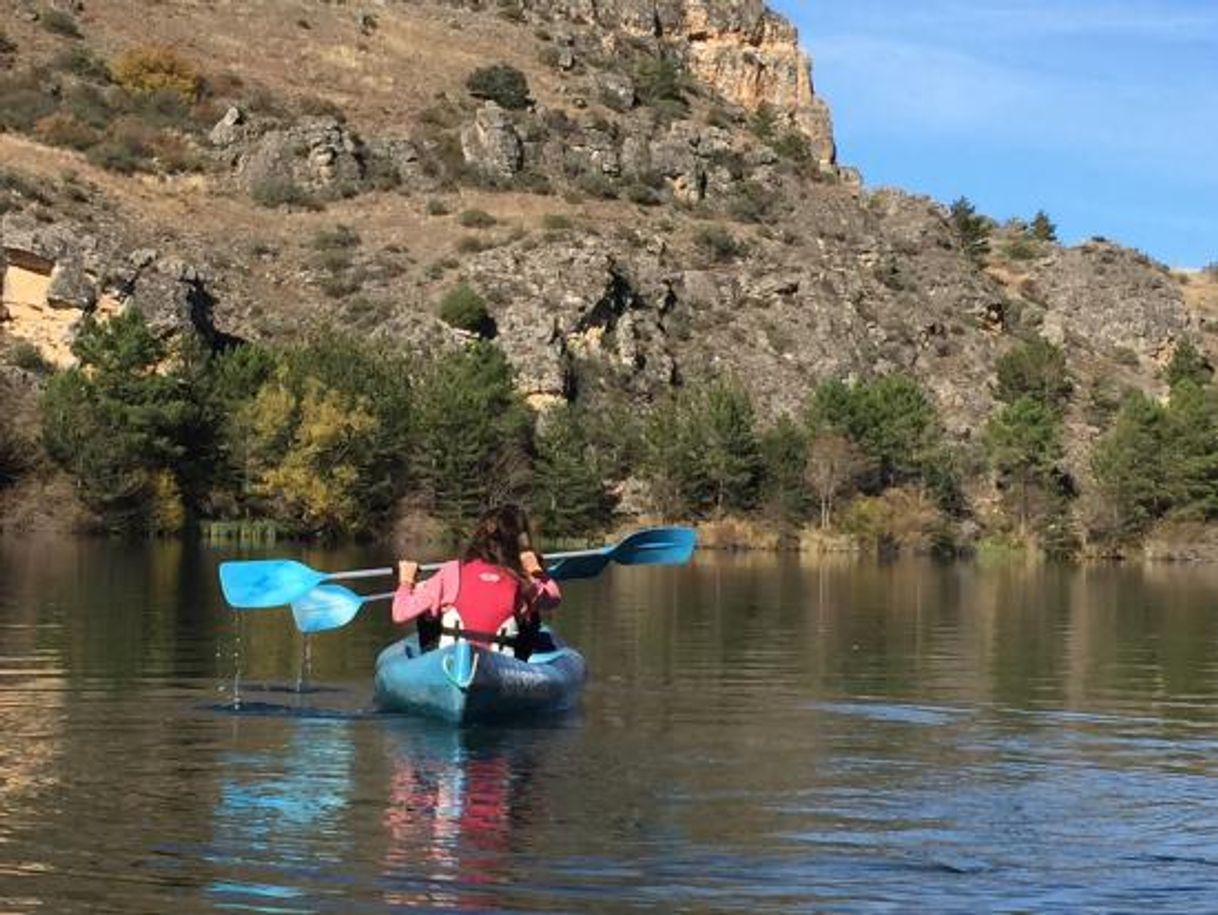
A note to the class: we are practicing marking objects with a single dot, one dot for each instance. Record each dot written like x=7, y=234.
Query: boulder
x=491, y=144
x=228, y=129
x=316, y=153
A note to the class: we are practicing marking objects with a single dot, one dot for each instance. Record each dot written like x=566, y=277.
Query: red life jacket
x=487, y=597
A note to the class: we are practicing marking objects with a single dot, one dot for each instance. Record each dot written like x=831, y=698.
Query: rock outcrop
x=313, y=154
x=55, y=273
x=744, y=51
x=491, y=144
x=1115, y=299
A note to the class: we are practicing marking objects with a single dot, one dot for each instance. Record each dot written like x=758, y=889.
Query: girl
x=493, y=596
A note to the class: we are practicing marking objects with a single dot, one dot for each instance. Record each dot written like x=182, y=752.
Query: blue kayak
x=465, y=684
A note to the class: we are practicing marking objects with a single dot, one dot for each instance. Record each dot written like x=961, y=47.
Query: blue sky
x=1102, y=112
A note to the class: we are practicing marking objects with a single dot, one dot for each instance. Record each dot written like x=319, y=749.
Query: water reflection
x=454, y=798
x=759, y=733
x=280, y=822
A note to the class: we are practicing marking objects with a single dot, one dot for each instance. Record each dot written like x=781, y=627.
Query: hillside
x=662, y=204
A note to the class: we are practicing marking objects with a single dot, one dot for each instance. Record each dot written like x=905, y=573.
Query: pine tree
x=730, y=454
x=973, y=229
x=1042, y=227
x=115, y=421
x=670, y=466
x=1023, y=440
x=1130, y=464
x=471, y=434
x=784, y=448
x=1188, y=364
x=1035, y=369
x=890, y=419
x=569, y=498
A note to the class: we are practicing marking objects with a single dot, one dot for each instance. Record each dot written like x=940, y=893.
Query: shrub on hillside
x=341, y=237
x=661, y=84
x=764, y=122
x=501, y=84
x=88, y=104
x=7, y=45
x=60, y=129
x=1022, y=249
x=476, y=219
x=80, y=61
x=23, y=101
x=275, y=192
x=793, y=145
x=751, y=201
x=719, y=244
x=163, y=108
x=59, y=23
x=151, y=69
x=25, y=355
x=126, y=148
x=462, y=307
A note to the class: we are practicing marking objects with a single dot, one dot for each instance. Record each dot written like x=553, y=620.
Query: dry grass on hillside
x=1201, y=293
x=306, y=49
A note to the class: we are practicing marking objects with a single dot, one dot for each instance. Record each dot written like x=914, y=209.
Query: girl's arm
x=542, y=591
x=546, y=595
x=427, y=598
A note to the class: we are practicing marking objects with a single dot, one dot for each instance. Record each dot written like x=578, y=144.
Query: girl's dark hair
x=501, y=536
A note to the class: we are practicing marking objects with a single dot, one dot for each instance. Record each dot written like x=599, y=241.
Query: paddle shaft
x=378, y=573
x=433, y=566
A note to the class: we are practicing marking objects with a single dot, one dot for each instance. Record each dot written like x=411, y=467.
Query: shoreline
x=1183, y=543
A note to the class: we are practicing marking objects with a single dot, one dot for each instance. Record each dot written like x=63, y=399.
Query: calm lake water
x=758, y=735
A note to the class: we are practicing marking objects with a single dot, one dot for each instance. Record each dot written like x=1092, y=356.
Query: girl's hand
x=407, y=572
x=531, y=564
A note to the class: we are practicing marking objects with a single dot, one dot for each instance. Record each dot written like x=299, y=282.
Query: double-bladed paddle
x=331, y=606
x=317, y=606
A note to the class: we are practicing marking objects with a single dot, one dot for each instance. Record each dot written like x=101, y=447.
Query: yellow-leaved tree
x=306, y=451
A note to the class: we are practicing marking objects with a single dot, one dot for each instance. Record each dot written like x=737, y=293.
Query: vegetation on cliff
x=653, y=247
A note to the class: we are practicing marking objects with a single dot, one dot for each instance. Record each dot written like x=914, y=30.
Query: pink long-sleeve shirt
x=431, y=596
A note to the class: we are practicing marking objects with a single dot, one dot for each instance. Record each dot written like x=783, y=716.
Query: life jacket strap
x=472, y=634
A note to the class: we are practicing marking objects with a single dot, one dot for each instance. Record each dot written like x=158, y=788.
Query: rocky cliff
x=664, y=204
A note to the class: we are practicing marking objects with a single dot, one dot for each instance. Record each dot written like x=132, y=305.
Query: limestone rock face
x=55, y=273
x=1114, y=298
x=50, y=278
x=171, y=295
x=744, y=51
x=491, y=144
x=575, y=300
x=315, y=153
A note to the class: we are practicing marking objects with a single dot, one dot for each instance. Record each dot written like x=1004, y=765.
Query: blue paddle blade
x=326, y=607
x=653, y=546
x=261, y=583
x=656, y=546
x=585, y=566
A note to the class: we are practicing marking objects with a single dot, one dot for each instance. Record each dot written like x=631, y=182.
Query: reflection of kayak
x=464, y=683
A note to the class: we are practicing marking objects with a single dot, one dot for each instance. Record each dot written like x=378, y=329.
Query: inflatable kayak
x=465, y=683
